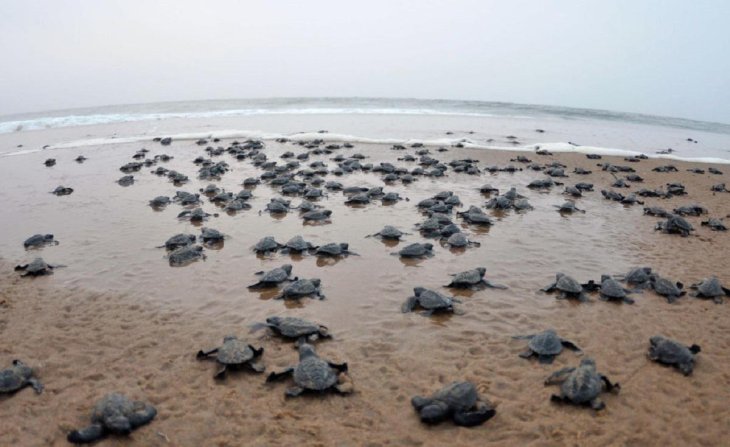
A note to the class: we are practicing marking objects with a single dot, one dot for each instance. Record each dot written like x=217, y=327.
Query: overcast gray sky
x=665, y=57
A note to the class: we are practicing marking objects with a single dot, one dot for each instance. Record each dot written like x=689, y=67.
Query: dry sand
x=119, y=318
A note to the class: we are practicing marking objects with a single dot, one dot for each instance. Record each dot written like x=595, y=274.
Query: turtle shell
x=669, y=351
x=301, y=287
x=611, y=288
x=332, y=249
x=266, y=244
x=429, y=299
x=458, y=240
x=568, y=284
x=185, y=254
x=583, y=384
x=293, y=327
x=234, y=352
x=179, y=240
x=277, y=275
x=469, y=277
x=710, y=287
x=546, y=343
x=297, y=243
x=459, y=396
x=315, y=374
x=14, y=378
x=416, y=250
x=665, y=287
x=390, y=232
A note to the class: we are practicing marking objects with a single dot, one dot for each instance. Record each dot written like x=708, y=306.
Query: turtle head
x=428, y=246
x=482, y=271
x=316, y=282
x=327, y=213
x=588, y=362
x=287, y=268
x=344, y=246
x=273, y=321
x=695, y=349
x=48, y=237
x=655, y=340
x=306, y=350
x=118, y=424
x=229, y=338
x=22, y=369
x=605, y=277
x=559, y=275
x=418, y=291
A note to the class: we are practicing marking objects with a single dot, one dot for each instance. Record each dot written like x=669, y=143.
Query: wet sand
x=119, y=318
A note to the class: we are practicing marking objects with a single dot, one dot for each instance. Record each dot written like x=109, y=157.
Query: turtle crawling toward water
x=233, y=354
x=39, y=240
x=611, y=290
x=567, y=287
x=666, y=288
x=36, y=267
x=297, y=329
x=431, y=301
x=675, y=225
x=459, y=240
x=710, y=288
x=673, y=353
x=334, y=250
x=314, y=374
x=62, y=191
x=416, y=250
x=639, y=277
x=272, y=278
x=114, y=414
x=458, y=401
x=297, y=244
x=389, y=232
x=545, y=345
x=568, y=207
x=18, y=376
x=185, y=255
x=301, y=288
x=472, y=279
x=267, y=245
x=179, y=240
x=582, y=385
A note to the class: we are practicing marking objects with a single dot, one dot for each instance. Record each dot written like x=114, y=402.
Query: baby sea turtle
x=582, y=385
x=431, y=301
x=334, y=249
x=666, y=288
x=458, y=401
x=297, y=244
x=568, y=207
x=670, y=352
x=298, y=329
x=472, y=279
x=675, y=225
x=178, y=241
x=127, y=180
x=211, y=236
x=389, y=232
x=416, y=250
x=714, y=224
x=114, y=414
x=39, y=240
x=316, y=215
x=50, y=162
x=610, y=290
x=638, y=277
x=301, y=288
x=567, y=287
x=233, y=354
x=267, y=245
x=18, y=376
x=545, y=345
x=314, y=374
x=36, y=267
x=196, y=215
x=62, y=191
x=710, y=288
x=460, y=240
x=272, y=278
x=159, y=202
x=475, y=216
x=185, y=255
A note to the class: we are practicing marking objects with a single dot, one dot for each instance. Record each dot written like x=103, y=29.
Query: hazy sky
x=665, y=57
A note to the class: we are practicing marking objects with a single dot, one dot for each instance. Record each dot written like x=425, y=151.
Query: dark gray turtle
x=416, y=250
x=714, y=224
x=582, y=385
x=233, y=354
x=127, y=180
x=391, y=197
x=567, y=287
x=656, y=211
x=573, y=191
x=568, y=207
x=690, y=210
x=358, y=199
x=306, y=206
x=185, y=198
x=389, y=232
x=297, y=329
x=18, y=376
x=316, y=215
x=211, y=236
x=272, y=278
x=314, y=374
x=637, y=277
x=301, y=288
x=160, y=202
x=50, y=162
x=80, y=159
x=545, y=345
x=62, y=191
x=459, y=240
x=475, y=216
x=675, y=225
x=334, y=249
x=114, y=414
x=278, y=206
x=267, y=245
x=39, y=240
x=666, y=288
x=36, y=267
x=458, y=401
x=612, y=290
x=710, y=288
x=236, y=205
x=178, y=241
x=670, y=352
x=488, y=189
x=720, y=187
x=196, y=215
x=431, y=301
x=297, y=244
x=472, y=279
x=185, y=255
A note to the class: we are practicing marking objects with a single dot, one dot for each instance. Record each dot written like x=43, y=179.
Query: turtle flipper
x=559, y=376
x=201, y=355
x=38, y=386
x=549, y=288
x=293, y=391
x=258, y=285
x=570, y=345
x=87, y=435
x=493, y=285
x=557, y=399
x=142, y=415
x=597, y=404
x=341, y=367
x=695, y=349
x=478, y=415
x=279, y=375
x=221, y=374
x=257, y=367
x=546, y=359
x=527, y=354
x=409, y=304
x=628, y=300
x=610, y=387
x=524, y=337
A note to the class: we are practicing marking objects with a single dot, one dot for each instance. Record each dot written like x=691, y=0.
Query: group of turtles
x=459, y=401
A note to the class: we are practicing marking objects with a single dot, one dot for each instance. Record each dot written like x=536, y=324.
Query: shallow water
x=118, y=317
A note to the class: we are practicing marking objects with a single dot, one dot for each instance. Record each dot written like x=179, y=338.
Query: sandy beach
x=117, y=317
